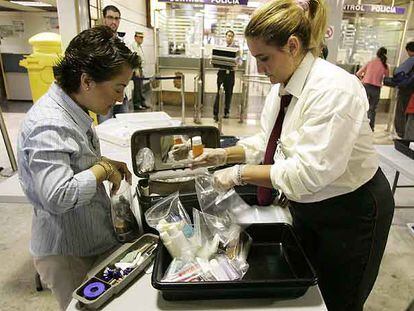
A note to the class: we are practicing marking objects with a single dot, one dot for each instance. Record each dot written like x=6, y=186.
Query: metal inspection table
x=142, y=296
x=398, y=161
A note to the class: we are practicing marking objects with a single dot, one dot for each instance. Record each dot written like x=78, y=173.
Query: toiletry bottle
x=198, y=147
x=169, y=245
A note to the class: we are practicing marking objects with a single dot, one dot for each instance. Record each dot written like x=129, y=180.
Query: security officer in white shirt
x=324, y=161
x=138, y=97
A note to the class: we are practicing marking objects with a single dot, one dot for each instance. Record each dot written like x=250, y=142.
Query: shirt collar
x=298, y=79
x=75, y=111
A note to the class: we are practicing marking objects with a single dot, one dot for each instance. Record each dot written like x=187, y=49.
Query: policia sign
x=374, y=8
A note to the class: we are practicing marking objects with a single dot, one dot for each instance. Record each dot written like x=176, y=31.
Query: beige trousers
x=63, y=274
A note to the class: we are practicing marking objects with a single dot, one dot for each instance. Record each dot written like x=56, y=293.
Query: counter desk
x=399, y=162
x=143, y=297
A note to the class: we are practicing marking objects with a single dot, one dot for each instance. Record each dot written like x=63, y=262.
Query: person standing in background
x=372, y=75
x=225, y=77
x=404, y=93
x=409, y=126
x=138, y=97
x=112, y=18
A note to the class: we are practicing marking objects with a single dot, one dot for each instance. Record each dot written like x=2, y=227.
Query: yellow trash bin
x=46, y=52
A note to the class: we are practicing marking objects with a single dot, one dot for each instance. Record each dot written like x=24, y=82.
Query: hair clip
x=303, y=4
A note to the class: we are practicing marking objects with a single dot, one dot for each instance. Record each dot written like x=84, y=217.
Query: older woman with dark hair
x=60, y=165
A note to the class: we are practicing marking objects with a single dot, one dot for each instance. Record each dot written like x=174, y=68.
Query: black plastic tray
x=278, y=269
x=403, y=146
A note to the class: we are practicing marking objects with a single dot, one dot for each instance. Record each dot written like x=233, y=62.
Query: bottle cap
x=197, y=140
x=177, y=139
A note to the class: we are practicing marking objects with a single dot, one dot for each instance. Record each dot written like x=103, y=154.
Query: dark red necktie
x=264, y=195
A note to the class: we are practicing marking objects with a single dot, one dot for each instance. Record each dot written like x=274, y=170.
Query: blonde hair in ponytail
x=275, y=21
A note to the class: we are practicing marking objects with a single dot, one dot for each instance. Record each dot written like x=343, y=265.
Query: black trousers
x=400, y=119
x=137, y=95
x=373, y=94
x=344, y=238
x=225, y=77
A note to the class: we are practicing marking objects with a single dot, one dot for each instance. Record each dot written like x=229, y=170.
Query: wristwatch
x=240, y=181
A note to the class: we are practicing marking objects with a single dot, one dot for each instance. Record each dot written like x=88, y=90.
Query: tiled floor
x=394, y=289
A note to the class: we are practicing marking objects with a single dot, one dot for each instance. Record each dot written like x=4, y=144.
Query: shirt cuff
x=86, y=185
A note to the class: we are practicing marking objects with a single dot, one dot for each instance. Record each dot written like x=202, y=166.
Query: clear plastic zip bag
x=123, y=219
x=222, y=212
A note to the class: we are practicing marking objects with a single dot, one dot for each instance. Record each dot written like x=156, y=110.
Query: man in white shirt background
x=138, y=97
x=225, y=77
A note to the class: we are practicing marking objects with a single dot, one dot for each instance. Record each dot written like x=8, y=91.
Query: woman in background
x=372, y=75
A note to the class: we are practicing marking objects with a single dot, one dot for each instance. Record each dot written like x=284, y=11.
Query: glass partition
x=361, y=36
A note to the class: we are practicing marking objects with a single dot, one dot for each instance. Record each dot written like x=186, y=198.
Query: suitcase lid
x=161, y=140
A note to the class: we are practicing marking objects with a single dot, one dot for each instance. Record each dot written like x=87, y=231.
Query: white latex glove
x=179, y=152
x=210, y=157
x=227, y=178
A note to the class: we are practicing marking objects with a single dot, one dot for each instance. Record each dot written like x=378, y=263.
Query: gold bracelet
x=103, y=166
x=108, y=168
x=111, y=167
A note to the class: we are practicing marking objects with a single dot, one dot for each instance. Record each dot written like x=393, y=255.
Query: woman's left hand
x=226, y=179
x=122, y=168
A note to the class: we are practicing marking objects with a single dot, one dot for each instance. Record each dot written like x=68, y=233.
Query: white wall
x=409, y=36
x=34, y=23
x=133, y=18
x=17, y=83
x=68, y=21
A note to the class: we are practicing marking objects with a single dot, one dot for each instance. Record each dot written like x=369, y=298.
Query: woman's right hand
x=210, y=157
x=115, y=178
x=112, y=171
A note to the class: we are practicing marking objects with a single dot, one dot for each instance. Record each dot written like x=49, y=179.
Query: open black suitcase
x=149, y=191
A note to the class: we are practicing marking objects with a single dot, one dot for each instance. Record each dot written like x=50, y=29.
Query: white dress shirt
x=326, y=145
x=137, y=48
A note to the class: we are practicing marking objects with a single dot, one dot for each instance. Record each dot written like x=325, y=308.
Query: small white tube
x=217, y=271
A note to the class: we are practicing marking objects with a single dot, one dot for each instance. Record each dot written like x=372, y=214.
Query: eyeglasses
x=113, y=18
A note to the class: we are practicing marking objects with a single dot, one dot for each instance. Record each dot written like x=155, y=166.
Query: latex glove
x=210, y=157
x=179, y=152
x=227, y=178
